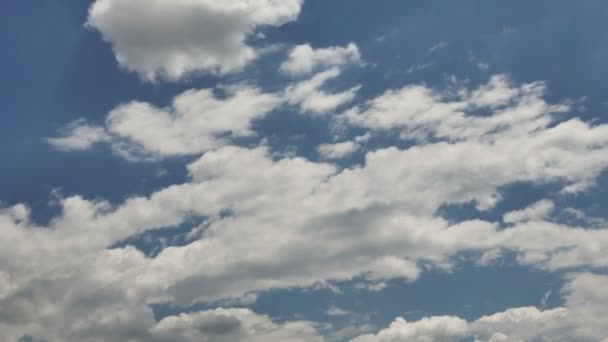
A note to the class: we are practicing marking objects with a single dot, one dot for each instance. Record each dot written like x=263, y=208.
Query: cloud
x=342, y=149
x=582, y=319
x=420, y=112
x=309, y=96
x=198, y=120
x=336, y=311
x=195, y=122
x=172, y=39
x=440, y=45
x=338, y=150
x=430, y=329
x=537, y=211
x=297, y=223
x=78, y=136
x=231, y=325
x=303, y=59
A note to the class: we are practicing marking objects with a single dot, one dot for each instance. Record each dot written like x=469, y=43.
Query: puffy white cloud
x=226, y=325
x=431, y=329
x=309, y=96
x=337, y=150
x=342, y=149
x=304, y=59
x=584, y=318
x=520, y=324
x=291, y=209
x=295, y=222
x=173, y=38
x=420, y=112
x=196, y=121
x=336, y=311
x=79, y=135
x=537, y=211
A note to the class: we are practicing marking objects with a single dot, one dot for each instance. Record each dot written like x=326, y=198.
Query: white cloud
x=342, y=149
x=296, y=223
x=195, y=122
x=430, y=329
x=309, y=96
x=174, y=38
x=582, y=319
x=372, y=287
x=420, y=112
x=303, y=59
x=336, y=311
x=223, y=325
x=78, y=136
x=537, y=211
x=338, y=150
x=198, y=120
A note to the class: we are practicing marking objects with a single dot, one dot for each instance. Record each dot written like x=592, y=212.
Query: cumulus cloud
x=582, y=319
x=537, y=211
x=174, y=38
x=304, y=59
x=296, y=222
x=195, y=122
x=198, y=120
x=431, y=329
x=338, y=150
x=342, y=149
x=78, y=136
x=311, y=98
x=231, y=325
x=420, y=112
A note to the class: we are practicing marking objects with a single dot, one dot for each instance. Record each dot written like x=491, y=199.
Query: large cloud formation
x=270, y=221
x=170, y=39
x=296, y=222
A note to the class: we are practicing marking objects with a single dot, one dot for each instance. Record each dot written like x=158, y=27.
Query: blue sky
x=303, y=170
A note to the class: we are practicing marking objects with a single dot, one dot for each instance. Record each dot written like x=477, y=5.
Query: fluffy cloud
x=79, y=135
x=226, y=325
x=304, y=59
x=442, y=328
x=338, y=150
x=295, y=222
x=342, y=149
x=174, y=38
x=537, y=211
x=582, y=319
x=420, y=112
x=198, y=120
x=195, y=122
x=309, y=96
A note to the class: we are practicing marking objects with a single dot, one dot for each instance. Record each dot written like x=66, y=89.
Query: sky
x=303, y=170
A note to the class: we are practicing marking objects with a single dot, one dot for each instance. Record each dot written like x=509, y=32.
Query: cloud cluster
x=269, y=222
x=295, y=222
x=198, y=120
x=303, y=59
x=78, y=136
x=582, y=319
x=171, y=39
